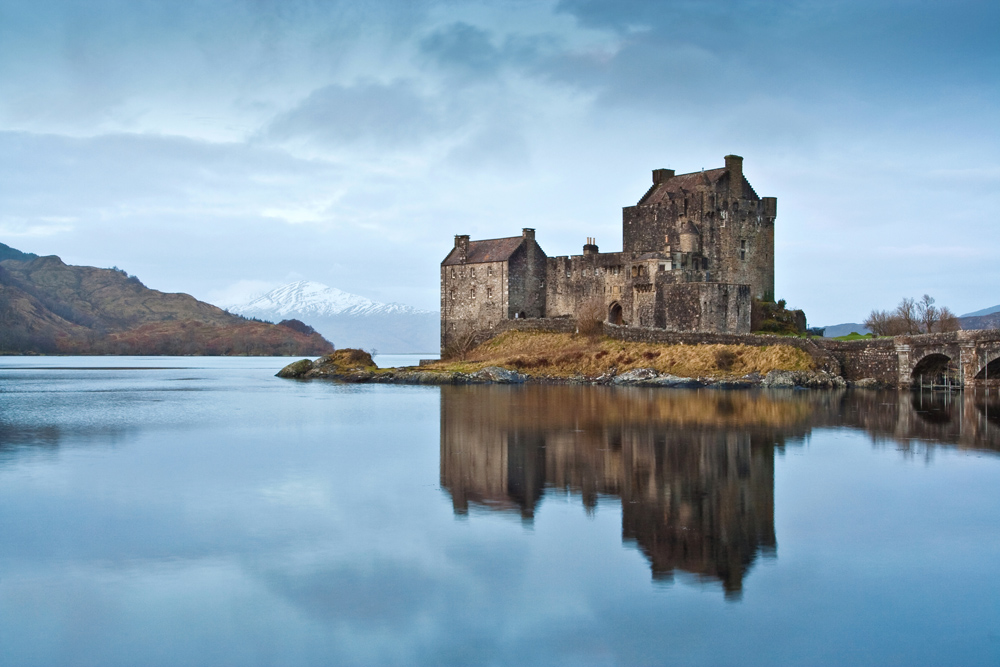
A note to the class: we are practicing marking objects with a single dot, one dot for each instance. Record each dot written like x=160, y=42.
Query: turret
x=690, y=237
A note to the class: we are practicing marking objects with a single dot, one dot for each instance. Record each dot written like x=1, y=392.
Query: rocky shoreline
x=328, y=369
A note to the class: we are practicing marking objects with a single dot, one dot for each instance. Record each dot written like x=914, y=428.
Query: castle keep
x=696, y=249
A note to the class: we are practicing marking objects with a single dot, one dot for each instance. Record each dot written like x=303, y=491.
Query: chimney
x=734, y=165
x=661, y=175
x=528, y=233
x=462, y=243
x=591, y=247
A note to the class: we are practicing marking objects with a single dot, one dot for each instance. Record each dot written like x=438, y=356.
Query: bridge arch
x=936, y=368
x=990, y=370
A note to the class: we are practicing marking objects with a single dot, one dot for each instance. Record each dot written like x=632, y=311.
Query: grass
x=854, y=335
x=569, y=355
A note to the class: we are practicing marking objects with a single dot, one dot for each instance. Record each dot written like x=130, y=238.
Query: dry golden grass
x=567, y=355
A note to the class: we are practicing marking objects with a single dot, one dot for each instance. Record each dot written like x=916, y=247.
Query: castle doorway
x=615, y=314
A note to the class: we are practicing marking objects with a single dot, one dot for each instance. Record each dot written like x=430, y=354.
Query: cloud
x=387, y=115
x=204, y=143
x=462, y=46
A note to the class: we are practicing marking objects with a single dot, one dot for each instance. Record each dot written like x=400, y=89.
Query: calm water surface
x=192, y=511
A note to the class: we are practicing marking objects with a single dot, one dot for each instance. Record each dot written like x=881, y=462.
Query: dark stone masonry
x=696, y=249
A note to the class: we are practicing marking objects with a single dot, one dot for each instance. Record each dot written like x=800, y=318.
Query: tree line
x=912, y=317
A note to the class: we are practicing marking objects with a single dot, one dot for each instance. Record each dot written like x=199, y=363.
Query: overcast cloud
x=213, y=146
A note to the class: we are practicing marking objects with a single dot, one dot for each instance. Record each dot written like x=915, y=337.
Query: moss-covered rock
x=296, y=369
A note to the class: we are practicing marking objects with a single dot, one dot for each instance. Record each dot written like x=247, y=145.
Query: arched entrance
x=936, y=371
x=615, y=313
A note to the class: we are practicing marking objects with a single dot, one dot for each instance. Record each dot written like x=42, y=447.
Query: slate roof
x=488, y=250
x=686, y=183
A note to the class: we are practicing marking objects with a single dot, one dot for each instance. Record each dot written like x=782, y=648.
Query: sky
x=221, y=147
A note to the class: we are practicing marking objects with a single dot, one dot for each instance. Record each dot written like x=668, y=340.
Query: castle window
x=453, y=273
x=489, y=270
x=489, y=292
x=704, y=263
x=473, y=272
x=472, y=292
x=569, y=273
x=663, y=267
x=743, y=249
x=453, y=295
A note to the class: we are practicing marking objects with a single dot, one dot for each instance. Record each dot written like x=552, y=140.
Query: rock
x=635, y=377
x=296, y=369
x=867, y=383
x=647, y=377
x=499, y=375
x=678, y=382
x=805, y=379
x=781, y=379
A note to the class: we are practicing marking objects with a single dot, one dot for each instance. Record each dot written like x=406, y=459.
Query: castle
x=696, y=249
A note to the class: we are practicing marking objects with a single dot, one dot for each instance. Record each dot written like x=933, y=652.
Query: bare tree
x=912, y=317
x=947, y=320
x=880, y=323
x=927, y=313
x=906, y=311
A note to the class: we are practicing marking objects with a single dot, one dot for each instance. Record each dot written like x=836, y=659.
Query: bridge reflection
x=693, y=470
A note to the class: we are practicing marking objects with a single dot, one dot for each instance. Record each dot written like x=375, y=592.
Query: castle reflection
x=694, y=470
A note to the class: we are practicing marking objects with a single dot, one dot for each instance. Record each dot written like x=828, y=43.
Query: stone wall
x=473, y=297
x=527, y=278
x=576, y=280
x=717, y=307
x=859, y=359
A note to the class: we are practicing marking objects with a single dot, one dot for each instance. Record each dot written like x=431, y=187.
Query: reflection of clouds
x=298, y=492
x=367, y=593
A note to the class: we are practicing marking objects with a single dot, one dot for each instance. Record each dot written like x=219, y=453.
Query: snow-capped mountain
x=316, y=299
x=345, y=319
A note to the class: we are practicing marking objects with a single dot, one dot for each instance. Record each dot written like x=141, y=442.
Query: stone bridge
x=963, y=358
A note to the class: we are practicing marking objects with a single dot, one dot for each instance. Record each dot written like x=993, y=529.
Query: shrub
x=590, y=318
x=724, y=359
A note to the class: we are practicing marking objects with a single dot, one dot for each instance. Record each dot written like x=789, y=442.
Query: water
x=175, y=511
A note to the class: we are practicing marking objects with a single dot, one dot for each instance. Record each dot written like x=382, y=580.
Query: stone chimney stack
x=462, y=243
x=591, y=247
x=734, y=165
x=661, y=175
x=528, y=233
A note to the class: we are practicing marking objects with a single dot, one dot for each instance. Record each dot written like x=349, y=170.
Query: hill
x=988, y=321
x=980, y=313
x=835, y=330
x=349, y=319
x=47, y=306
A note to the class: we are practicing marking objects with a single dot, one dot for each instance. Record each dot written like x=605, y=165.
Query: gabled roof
x=686, y=183
x=488, y=250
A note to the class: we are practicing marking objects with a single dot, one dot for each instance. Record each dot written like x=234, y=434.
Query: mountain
x=6, y=252
x=835, y=330
x=988, y=321
x=47, y=306
x=348, y=320
x=984, y=311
